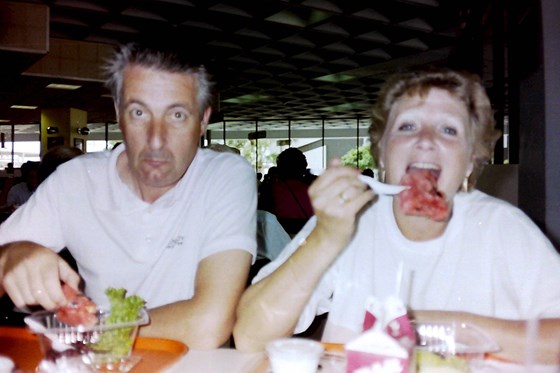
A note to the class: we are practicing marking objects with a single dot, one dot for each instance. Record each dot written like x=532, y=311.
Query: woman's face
x=429, y=132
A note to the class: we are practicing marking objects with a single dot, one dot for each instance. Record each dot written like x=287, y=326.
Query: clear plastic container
x=103, y=346
x=459, y=347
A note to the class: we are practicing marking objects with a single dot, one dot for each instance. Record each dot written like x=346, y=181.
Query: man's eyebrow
x=134, y=101
x=178, y=105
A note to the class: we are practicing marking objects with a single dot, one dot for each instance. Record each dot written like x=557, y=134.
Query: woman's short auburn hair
x=462, y=85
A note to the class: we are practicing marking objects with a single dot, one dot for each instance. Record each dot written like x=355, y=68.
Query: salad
x=123, y=310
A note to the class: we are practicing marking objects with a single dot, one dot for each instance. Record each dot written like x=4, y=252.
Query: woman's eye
x=406, y=127
x=450, y=131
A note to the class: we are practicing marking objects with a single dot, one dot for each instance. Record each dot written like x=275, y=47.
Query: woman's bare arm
x=509, y=334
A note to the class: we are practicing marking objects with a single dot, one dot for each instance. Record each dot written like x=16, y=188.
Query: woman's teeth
x=424, y=166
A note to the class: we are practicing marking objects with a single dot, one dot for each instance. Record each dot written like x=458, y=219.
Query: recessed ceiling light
x=335, y=78
x=25, y=107
x=63, y=86
x=246, y=99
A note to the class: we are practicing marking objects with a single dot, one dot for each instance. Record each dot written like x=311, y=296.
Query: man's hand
x=32, y=274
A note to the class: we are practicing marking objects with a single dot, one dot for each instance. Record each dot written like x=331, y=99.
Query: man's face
x=159, y=118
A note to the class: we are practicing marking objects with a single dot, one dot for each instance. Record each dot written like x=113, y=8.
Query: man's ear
x=117, y=113
x=205, y=119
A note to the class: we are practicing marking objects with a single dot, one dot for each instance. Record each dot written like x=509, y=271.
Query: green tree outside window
x=359, y=157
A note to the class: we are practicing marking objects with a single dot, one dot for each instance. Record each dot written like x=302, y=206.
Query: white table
x=222, y=360
x=233, y=361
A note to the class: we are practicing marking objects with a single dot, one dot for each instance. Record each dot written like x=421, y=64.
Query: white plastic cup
x=294, y=355
x=6, y=364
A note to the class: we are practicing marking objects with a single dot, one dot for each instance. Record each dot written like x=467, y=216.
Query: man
x=149, y=215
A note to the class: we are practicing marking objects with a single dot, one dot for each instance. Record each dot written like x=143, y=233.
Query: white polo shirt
x=118, y=240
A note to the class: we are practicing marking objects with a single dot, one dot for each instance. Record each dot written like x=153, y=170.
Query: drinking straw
x=531, y=335
x=399, y=281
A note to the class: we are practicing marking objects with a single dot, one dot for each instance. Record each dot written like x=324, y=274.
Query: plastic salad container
x=100, y=347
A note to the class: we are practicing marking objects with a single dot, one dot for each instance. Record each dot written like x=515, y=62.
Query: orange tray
x=23, y=348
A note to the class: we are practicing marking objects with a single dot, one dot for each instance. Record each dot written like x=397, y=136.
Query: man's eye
x=179, y=115
x=137, y=113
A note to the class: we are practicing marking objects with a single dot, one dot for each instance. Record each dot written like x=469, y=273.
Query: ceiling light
x=4, y=120
x=25, y=107
x=63, y=86
x=335, y=78
x=83, y=131
x=245, y=99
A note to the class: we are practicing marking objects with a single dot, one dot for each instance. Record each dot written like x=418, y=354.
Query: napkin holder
x=387, y=343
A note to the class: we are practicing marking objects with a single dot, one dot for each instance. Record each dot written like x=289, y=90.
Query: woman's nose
x=426, y=137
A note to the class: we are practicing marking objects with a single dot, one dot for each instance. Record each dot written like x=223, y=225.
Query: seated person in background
x=54, y=157
x=149, y=216
x=486, y=263
x=8, y=183
x=286, y=195
x=20, y=192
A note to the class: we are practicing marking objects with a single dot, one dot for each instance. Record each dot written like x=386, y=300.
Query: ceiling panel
x=272, y=59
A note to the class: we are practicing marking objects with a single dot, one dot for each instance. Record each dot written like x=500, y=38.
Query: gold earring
x=465, y=186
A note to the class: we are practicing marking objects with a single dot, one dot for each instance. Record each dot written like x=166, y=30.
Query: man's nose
x=157, y=133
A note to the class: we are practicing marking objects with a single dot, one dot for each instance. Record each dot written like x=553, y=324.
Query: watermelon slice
x=423, y=198
x=80, y=310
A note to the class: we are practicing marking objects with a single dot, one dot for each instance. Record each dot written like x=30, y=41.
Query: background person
x=56, y=156
x=487, y=264
x=149, y=216
x=19, y=193
x=286, y=195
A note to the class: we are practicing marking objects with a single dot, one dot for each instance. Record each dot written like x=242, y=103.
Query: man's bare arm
x=206, y=320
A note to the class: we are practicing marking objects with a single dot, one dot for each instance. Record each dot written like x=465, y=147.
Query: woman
x=486, y=263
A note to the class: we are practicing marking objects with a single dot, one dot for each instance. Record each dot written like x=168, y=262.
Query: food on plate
x=432, y=362
x=80, y=310
x=423, y=198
